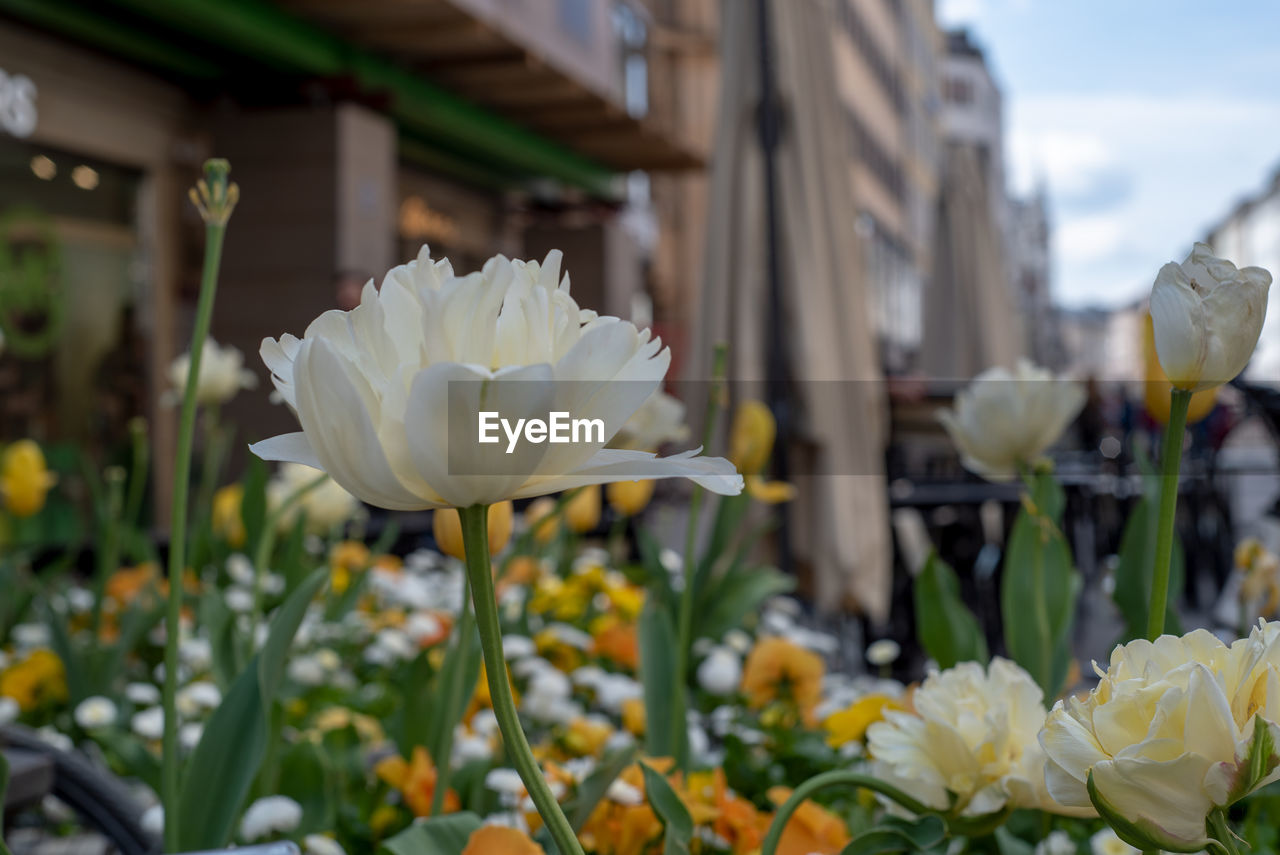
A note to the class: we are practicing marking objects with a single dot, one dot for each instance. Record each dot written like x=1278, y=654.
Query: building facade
x=1250, y=235
x=356, y=132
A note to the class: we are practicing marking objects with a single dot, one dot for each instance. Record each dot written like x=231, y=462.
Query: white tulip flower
x=1207, y=317
x=149, y=724
x=142, y=694
x=1005, y=420
x=721, y=672
x=270, y=815
x=326, y=506
x=319, y=844
x=389, y=395
x=883, y=652
x=222, y=374
x=9, y=711
x=95, y=713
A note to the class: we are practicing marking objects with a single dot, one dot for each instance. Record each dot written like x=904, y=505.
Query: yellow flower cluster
x=34, y=681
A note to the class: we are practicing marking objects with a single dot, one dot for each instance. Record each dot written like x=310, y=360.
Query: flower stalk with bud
x=1206, y=317
x=215, y=196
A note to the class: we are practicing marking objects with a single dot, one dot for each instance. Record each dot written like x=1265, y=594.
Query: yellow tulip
x=751, y=437
x=447, y=527
x=628, y=498
x=540, y=519
x=25, y=480
x=582, y=512
x=227, y=519
x=769, y=492
x=1157, y=386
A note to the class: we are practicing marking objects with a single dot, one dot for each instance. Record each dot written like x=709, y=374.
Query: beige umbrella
x=970, y=322
x=839, y=522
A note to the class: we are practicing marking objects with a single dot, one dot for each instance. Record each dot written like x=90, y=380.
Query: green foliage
x=440, y=835
x=894, y=836
x=306, y=777
x=947, y=630
x=593, y=789
x=1039, y=589
x=235, y=740
x=1137, y=558
x=677, y=824
x=657, y=674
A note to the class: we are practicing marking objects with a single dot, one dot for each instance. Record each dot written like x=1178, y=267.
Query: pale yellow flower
x=971, y=741
x=1169, y=734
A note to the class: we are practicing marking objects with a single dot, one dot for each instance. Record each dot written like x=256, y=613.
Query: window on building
x=575, y=19
x=957, y=90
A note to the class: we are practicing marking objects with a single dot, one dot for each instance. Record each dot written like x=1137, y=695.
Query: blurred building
x=356, y=131
x=887, y=77
x=1030, y=262
x=1250, y=235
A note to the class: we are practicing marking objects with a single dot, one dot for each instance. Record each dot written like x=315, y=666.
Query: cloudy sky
x=1146, y=119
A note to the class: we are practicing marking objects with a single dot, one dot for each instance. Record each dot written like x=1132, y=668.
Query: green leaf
x=657, y=579
x=730, y=511
x=4, y=787
x=1007, y=843
x=658, y=676
x=440, y=835
x=306, y=778
x=1038, y=592
x=462, y=656
x=253, y=505
x=894, y=835
x=1262, y=761
x=947, y=630
x=224, y=764
x=736, y=594
x=676, y=821
x=593, y=789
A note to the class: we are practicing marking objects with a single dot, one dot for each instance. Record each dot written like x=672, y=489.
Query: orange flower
x=346, y=558
x=126, y=583
x=731, y=817
x=615, y=828
x=777, y=670
x=618, y=642
x=811, y=829
x=500, y=840
x=416, y=781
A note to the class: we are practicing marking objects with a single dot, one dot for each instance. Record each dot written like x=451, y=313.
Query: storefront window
x=72, y=366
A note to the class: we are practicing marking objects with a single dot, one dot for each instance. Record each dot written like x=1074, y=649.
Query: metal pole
x=770, y=129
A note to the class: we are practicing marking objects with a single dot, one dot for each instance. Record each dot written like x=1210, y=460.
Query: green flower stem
x=828, y=779
x=267, y=540
x=1222, y=833
x=215, y=229
x=461, y=645
x=684, y=627
x=1179, y=400
x=475, y=539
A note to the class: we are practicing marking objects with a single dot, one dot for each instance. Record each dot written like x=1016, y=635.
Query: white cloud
x=1176, y=163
